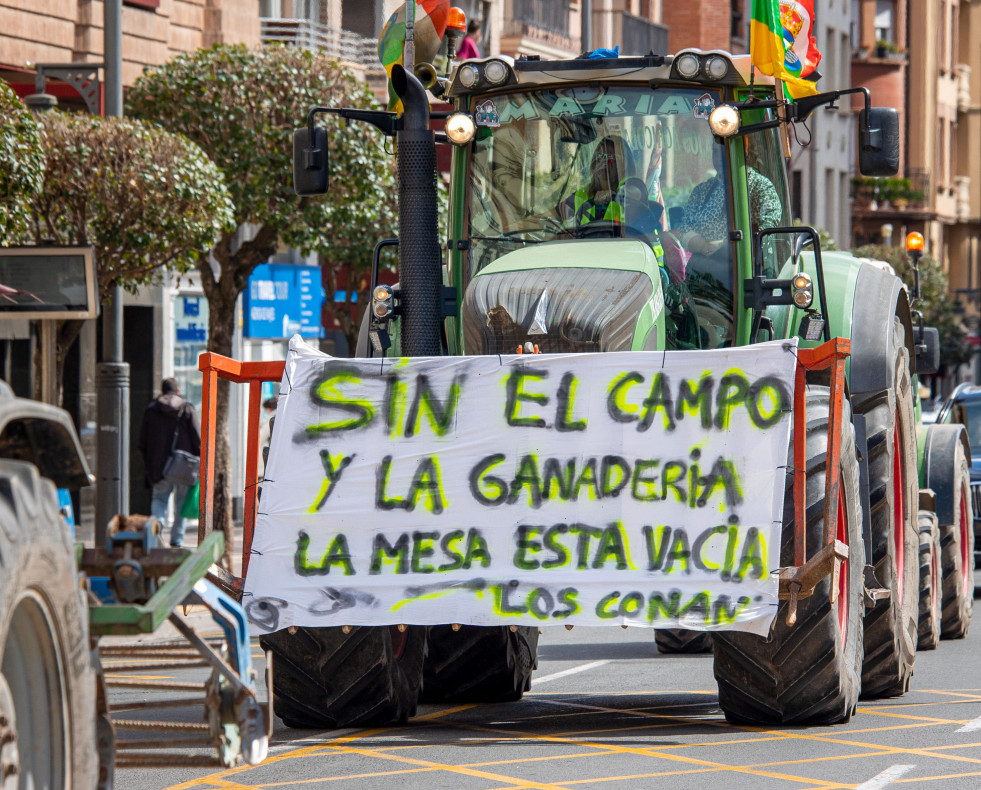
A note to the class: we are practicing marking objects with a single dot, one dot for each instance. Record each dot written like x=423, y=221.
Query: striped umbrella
x=429, y=26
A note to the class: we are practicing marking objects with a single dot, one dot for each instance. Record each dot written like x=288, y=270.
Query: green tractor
x=641, y=203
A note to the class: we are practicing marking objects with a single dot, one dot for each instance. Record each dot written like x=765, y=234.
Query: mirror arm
x=386, y=122
x=803, y=107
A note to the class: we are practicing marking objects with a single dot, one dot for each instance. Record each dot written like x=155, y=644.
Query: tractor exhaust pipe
x=420, y=274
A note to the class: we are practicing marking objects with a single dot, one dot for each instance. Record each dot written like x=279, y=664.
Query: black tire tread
x=327, y=679
x=479, y=663
x=37, y=555
x=891, y=625
x=682, y=640
x=957, y=604
x=801, y=674
x=928, y=633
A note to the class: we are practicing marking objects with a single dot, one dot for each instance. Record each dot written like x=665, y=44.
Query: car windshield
x=968, y=413
x=609, y=161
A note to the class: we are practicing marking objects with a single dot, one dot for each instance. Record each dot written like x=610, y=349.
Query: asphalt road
x=607, y=711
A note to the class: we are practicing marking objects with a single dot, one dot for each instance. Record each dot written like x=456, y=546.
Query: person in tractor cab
x=614, y=196
x=706, y=219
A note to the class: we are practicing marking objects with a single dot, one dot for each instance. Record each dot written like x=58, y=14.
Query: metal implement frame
x=796, y=582
x=235, y=721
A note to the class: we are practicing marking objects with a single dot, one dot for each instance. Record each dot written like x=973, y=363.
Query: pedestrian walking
x=169, y=424
x=468, y=47
x=265, y=433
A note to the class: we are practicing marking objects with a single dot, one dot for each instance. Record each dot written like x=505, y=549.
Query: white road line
x=971, y=726
x=565, y=672
x=885, y=778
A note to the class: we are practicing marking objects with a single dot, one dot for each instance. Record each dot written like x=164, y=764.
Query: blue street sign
x=282, y=300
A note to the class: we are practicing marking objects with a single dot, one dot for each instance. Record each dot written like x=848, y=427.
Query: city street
x=607, y=711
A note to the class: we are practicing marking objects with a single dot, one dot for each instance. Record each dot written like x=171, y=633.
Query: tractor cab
x=669, y=167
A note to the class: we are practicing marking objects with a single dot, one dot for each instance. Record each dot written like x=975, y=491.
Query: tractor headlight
x=687, y=65
x=460, y=128
x=716, y=67
x=495, y=71
x=802, y=290
x=468, y=76
x=382, y=302
x=724, y=120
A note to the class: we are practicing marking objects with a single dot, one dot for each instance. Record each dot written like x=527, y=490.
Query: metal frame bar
x=215, y=367
x=799, y=581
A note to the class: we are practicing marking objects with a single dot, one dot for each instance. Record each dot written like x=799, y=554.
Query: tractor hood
x=566, y=296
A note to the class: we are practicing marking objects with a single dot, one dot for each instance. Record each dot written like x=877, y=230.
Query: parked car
x=964, y=406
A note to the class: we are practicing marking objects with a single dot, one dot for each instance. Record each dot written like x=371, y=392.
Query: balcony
x=540, y=22
x=640, y=36
x=330, y=41
x=963, y=87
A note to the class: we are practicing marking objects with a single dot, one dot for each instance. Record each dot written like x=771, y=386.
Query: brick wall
x=60, y=31
x=697, y=23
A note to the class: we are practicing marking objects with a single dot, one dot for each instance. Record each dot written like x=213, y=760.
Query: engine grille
x=586, y=310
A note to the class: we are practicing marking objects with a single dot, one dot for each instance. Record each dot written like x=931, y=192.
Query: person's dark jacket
x=157, y=433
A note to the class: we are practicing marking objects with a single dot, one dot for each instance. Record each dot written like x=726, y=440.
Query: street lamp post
x=112, y=374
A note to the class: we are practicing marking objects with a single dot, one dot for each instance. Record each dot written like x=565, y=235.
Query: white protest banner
x=641, y=488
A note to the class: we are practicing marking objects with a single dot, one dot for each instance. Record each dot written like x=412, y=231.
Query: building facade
x=823, y=149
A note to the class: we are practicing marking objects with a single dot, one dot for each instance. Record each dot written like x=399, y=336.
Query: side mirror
x=311, y=168
x=927, y=344
x=878, y=141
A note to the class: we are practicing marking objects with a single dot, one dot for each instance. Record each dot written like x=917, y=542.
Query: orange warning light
x=456, y=19
x=914, y=242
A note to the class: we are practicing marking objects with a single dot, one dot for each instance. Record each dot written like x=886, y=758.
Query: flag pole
x=780, y=93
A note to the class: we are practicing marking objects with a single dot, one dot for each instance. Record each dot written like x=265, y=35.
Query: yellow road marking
x=651, y=752
x=446, y=767
x=929, y=719
x=937, y=778
x=211, y=779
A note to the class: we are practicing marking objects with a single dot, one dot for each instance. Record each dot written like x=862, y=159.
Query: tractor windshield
x=612, y=161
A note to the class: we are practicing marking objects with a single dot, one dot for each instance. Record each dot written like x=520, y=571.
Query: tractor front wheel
x=479, y=663
x=808, y=673
x=891, y=625
x=325, y=678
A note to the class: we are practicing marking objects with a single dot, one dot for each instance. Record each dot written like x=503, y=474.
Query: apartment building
x=61, y=32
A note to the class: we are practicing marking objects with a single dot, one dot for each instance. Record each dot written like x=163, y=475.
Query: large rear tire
x=930, y=581
x=47, y=689
x=957, y=556
x=479, y=663
x=682, y=640
x=327, y=679
x=808, y=673
x=891, y=625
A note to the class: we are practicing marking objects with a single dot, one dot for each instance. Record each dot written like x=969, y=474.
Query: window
x=147, y=4
x=884, y=22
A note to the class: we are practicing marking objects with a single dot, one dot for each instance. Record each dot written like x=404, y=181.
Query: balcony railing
x=331, y=41
x=640, y=36
x=547, y=15
x=546, y=21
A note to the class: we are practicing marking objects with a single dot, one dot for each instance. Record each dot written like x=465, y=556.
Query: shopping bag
x=192, y=502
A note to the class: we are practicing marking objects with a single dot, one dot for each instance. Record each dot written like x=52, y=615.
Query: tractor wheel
x=325, y=678
x=479, y=663
x=681, y=640
x=810, y=672
x=891, y=625
x=930, y=580
x=957, y=557
x=47, y=687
